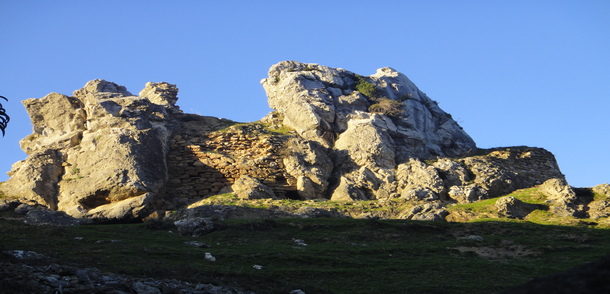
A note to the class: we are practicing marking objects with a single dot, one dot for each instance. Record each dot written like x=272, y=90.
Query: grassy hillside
x=325, y=255
x=479, y=252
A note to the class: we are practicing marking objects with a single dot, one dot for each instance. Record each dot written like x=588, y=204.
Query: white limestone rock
x=50, y=132
x=310, y=165
x=323, y=105
x=91, y=152
x=366, y=142
x=419, y=181
x=317, y=101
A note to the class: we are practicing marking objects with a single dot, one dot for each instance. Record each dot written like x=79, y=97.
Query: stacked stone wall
x=206, y=163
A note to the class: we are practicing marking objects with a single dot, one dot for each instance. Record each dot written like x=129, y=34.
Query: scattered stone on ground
x=29, y=272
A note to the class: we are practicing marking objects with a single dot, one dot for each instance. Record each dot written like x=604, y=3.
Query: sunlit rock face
x=99, y=153
x=368, y=124
x=104, y=153
x=320, y=101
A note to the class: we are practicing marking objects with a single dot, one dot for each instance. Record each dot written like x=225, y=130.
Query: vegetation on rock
x=387, y=107
x=365, y=87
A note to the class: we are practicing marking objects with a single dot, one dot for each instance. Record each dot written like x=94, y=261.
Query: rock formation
x=377, y=132
x=99, y=153
x=104, y=153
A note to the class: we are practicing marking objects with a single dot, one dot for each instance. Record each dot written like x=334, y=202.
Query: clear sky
x=513, y=72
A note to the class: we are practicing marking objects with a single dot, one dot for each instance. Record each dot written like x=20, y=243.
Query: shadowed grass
x=340, y=255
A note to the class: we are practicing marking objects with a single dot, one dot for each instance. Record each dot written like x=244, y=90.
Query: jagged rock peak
x=322, y=103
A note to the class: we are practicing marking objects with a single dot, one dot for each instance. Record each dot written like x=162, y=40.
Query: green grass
x=483, y=207
x=391, y=208
x=342, y=255
x=485, y=210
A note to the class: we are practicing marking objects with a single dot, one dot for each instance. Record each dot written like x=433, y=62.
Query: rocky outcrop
x=379, y=130
x=602, y=189
x=370, y=124
x=104, y=153
x=99, y=153
x=320, y=101
x=419, y=181
x=599, y=209
x=600, y=206
x=433, y=211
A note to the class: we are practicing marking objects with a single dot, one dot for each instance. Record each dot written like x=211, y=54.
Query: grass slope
x=341, y=255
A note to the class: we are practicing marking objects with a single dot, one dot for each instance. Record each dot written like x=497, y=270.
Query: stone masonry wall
x=204, y=160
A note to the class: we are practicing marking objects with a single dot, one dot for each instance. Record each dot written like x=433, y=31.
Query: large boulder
x=364, y=155
x=58, y=123
x=366, y=142
x=514, y=208
x=195, y=226
x=91, y=152
x=247, y=187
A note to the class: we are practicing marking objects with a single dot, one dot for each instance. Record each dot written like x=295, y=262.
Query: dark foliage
x=4, y=118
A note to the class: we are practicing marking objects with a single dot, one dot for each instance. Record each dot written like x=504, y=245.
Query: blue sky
x=533, y=73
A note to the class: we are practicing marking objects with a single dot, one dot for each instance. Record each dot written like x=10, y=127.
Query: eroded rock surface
x=99, y=153
x=104, y=153
x=514, y=208
x=320, y=101
x=562, y=197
